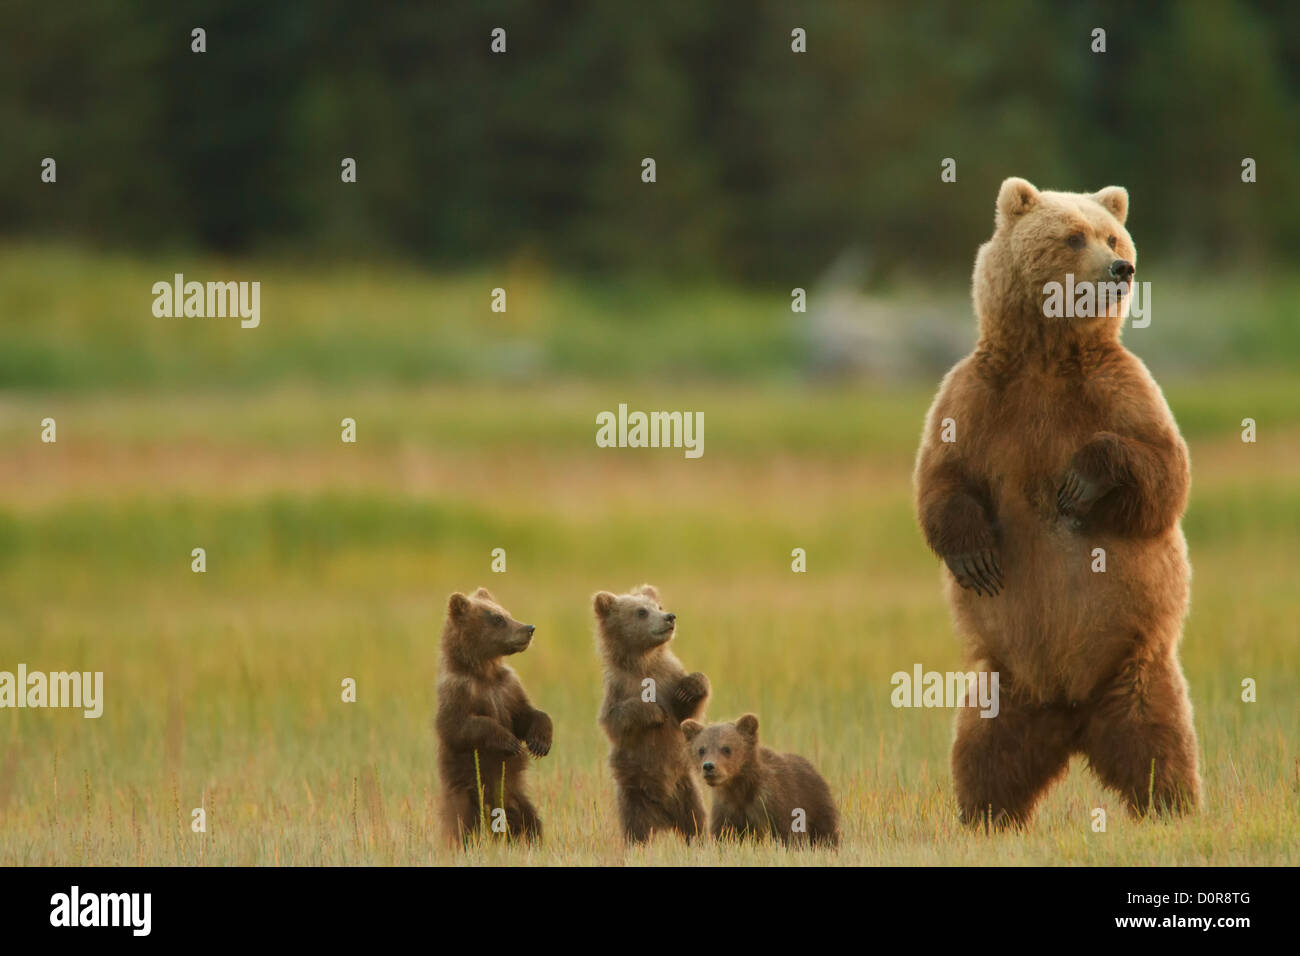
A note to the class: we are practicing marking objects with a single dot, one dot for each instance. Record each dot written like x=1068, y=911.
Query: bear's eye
x=726, y=751
x=1075, y=240
x=1112, y=241
x=498, y=619
x=642, y=612
x=701, y=751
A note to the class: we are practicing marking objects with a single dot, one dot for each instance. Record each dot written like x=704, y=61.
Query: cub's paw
x=691, y=688
x=977, y=571
x=1078, y=493
x=538, y=740
x=512, y=745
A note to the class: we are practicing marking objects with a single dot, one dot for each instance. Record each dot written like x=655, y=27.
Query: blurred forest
x=769, y=163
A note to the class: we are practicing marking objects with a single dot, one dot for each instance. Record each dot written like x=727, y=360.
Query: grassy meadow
x=328, y=560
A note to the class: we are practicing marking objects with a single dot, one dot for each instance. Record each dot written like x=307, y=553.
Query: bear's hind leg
x=1140, y=741
x=524, y=821
x=690, y=817
x=640, y=816
x=460, y=816
x=1001, y=765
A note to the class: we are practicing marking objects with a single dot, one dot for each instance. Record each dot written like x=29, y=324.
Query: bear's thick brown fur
x=483, y=711
x=759, y=792
x=1062, y=444
x=652, y=775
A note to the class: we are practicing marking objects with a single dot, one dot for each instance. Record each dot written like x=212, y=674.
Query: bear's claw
x=691, y=688
x=1077, y=494
x=979, y=572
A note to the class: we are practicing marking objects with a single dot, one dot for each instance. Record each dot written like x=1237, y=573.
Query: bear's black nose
x=529, y=628
x=708, y=767
x=670, y=618
x=1122, y=269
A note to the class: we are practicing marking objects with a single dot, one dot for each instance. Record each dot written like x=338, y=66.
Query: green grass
x=79, y=321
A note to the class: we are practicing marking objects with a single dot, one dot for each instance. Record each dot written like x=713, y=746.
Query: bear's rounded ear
x=485, y=594
x=1016, y=197
x=649, y=591
x=457, y=605
x=748, y=726
x=1115, y=199
x=691, y=728
x=602, y=602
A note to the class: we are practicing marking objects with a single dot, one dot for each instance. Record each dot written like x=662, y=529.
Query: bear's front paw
x=977, y=571
x=1078, y=493
x=692, y=688
x=538, y=739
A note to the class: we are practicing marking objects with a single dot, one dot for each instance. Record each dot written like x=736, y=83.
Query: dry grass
x=329, y=561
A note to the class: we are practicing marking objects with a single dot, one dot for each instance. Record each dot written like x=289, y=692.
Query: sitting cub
x=757, y=791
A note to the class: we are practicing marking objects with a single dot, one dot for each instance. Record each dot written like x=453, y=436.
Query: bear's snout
x=525, y=637
x=1122, y=269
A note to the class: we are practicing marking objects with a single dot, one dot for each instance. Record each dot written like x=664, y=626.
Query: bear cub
x=648, y=693
x=483, y=712
x=759, y=792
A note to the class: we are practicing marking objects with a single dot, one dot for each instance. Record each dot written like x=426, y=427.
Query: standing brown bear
x=647, y=695
x=485, y=721
x=759, y=792
x=1051, y=480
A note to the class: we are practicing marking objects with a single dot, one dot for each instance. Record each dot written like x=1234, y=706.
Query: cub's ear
x=458, y=606
x=603, y=602
x=748, y=727
x=691, y=728
x=485, y=594
x=1016, y=197
x=649, y=591
x=1115, y=199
